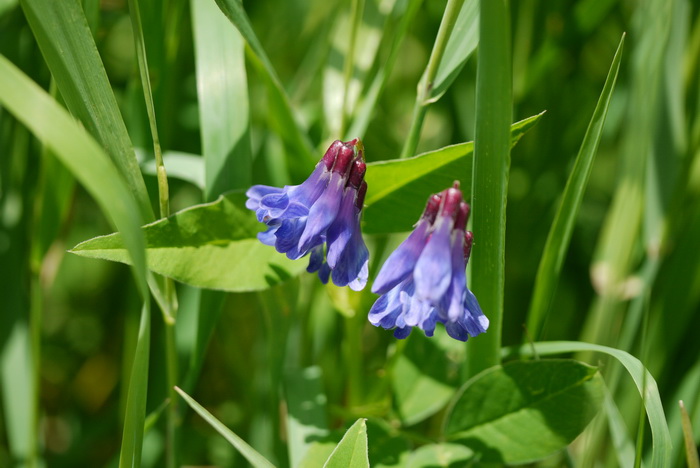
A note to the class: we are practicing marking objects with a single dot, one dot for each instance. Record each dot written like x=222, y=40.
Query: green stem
x=490, y=180
x=349, y=65
x=425, y=85
x=169, y=307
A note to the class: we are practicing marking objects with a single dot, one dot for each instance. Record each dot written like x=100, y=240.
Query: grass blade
x=135, y=416
x=222, y=89
x=691, y=451
x=163, y=192
x=250, y=454
x=560, y=233
x=490, y=177
x=66, y=43
x=646, y=385
x=282, y=114
x=80, y=154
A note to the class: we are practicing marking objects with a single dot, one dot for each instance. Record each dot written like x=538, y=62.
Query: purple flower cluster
x=424, y=282
x=320, y=217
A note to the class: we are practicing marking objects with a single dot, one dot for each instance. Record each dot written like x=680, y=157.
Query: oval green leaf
x=212, y=245
x=525, y=410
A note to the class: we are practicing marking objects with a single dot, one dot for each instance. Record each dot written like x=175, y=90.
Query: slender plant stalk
x=170, y=311
x=425, y=85
x=490, y=180
x=349, y=65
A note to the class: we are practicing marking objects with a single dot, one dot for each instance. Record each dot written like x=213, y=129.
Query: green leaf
x=398, y=189
x=212, y=245
x=494, y=103
x=250, y=454
x=440, y=456
x=661, y=438
x=461, y=44
x=560, y=233
x=306, y=406
x=351, y=452
x=222, y=90
x=523, y=411
x=65, y=40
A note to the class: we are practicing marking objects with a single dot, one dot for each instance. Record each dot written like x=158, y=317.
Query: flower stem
x=425, y=85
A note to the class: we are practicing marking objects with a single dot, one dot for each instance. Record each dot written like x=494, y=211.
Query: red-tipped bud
x=361, y=192
x=357, y=173
x=462, y=216
x=346, y=154
x=432, y=207
x=468, y=241
x=451, y=199
x=331, y=154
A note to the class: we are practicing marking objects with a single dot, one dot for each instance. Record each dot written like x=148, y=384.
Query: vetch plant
x=423, y=281
x=324, y=211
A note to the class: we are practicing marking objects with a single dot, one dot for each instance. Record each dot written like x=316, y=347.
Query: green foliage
x=210, y=246
x=524, y=411
x=351, y=451
x=603, y=193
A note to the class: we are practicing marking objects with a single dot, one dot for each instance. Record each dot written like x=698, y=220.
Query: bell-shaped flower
x=423, y=281
x=324, y=210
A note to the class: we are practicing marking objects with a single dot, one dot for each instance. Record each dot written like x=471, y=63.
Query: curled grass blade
x=646, y=385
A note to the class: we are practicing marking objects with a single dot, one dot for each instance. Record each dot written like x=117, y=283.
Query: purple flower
x=423, y=281
x=320, y=217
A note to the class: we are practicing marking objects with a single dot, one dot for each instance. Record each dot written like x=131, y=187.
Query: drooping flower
x=423, y=281
x=320, y=217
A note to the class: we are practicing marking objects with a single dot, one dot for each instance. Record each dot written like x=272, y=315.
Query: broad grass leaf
x=86, y=160
x=250, y=454
x=523, y=411
x=351, y=451
x=398, y=189
x=494, y=106
x=281, y=115
x=65, y=40
x=222, y=90
x=212, y=245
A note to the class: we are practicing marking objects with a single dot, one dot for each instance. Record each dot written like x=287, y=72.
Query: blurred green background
x=85, y=313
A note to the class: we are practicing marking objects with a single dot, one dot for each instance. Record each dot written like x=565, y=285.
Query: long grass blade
x=490, y=179
x=66, y=42
x=250, y=454
x=560, y=233
x=135, y=416
x=222, y=90
x=283, y=116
